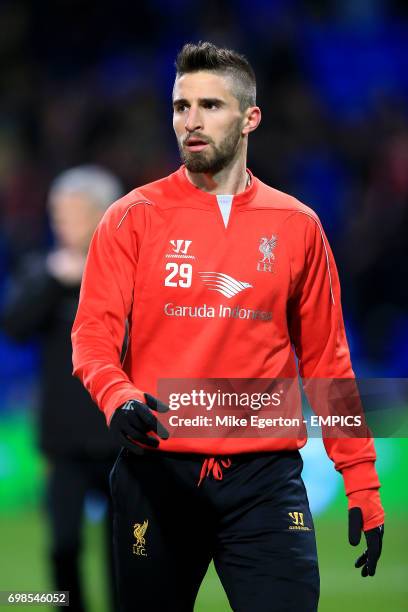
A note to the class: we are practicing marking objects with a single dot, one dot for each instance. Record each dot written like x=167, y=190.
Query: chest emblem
x=266, y=247
x=224, y=284
x=180, y=249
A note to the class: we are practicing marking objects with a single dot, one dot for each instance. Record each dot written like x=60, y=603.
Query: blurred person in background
x=42, y=299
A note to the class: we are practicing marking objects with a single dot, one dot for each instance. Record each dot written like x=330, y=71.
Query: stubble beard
x=213, y=159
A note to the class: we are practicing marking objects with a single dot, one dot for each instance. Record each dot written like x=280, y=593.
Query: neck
x=230, y=180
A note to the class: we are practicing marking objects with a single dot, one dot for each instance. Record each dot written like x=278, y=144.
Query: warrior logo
x=139, y=531
x=266, y=247
x=298, y=522
x=180, y=249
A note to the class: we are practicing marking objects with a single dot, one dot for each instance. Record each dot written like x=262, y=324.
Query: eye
x=210, y=105
x=180, y=108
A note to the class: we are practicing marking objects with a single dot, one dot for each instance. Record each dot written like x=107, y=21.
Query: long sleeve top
x=214, y=287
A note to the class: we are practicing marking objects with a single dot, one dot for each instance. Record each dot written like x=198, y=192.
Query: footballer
x=217, y=275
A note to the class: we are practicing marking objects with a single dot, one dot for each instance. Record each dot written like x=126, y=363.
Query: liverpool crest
x=139, y=531
x=266, y=247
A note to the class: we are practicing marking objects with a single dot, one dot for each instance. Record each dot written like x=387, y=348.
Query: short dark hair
x=207, y=56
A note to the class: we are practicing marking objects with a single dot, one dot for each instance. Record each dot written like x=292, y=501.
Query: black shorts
x=255, y=523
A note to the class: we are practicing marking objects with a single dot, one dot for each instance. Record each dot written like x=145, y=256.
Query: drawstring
x=213, y=464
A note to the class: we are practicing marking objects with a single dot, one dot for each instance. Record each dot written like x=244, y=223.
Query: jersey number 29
x=183, y=271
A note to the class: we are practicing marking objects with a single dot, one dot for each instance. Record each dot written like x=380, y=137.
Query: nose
x=193, y=120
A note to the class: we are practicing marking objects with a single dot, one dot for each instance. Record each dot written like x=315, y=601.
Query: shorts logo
x=297, y=522
x=266, y=246
x=139, y=531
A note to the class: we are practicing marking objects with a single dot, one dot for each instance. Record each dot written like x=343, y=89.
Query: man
x=218, y=275
x=42, y=300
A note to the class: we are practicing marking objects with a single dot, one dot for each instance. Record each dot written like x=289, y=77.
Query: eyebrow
x=181, y=101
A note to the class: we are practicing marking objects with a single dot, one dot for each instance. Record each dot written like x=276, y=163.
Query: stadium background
x=91, y=82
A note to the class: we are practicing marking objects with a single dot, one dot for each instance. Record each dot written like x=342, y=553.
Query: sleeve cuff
x=370, y=504
x=360, y=476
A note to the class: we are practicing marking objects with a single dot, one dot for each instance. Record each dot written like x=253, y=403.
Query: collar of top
x=210, y=198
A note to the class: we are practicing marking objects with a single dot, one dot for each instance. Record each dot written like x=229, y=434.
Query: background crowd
x=91, y=82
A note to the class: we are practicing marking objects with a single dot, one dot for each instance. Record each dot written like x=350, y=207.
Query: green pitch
x=23, y=566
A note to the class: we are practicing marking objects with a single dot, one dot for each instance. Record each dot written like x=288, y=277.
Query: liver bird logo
x=266, y=248
x=139, y=531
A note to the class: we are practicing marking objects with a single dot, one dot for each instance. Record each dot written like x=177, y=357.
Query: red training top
x=211, y=297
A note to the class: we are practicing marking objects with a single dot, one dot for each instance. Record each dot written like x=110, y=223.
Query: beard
x=214, y=158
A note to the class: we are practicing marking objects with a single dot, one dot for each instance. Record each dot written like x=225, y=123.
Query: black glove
x=368, y=560
x=134, y=419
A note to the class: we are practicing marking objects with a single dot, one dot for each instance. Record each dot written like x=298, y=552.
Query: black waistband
x=200, y=457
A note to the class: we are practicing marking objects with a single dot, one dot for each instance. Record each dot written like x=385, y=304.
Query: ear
x=252, y=118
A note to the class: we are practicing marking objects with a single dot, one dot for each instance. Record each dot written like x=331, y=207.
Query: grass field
x=23, y=567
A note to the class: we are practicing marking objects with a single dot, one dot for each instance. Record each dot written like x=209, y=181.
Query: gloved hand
x=368, y=560
x=133, y=420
